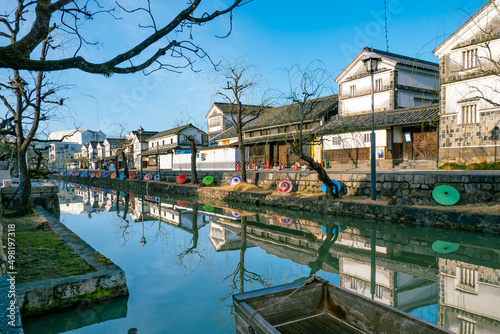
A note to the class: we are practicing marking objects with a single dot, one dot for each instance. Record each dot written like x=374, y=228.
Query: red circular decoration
x=130, y=175
x=147, y=177
x=113, y=175
x=285, y=186
x=285, y=220
x=182, y=203
x=92, y=175
x=98, y=175
x=181, y=178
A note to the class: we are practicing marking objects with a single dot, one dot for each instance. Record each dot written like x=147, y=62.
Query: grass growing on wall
x=40, y=253
x=476, y=166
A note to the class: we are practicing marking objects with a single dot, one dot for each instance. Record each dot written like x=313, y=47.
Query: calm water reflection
x=184, y=260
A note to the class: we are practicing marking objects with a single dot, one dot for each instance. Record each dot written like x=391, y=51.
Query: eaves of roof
x=382, y=119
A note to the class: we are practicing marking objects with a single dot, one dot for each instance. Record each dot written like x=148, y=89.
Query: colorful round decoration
x=86, y=174
x=285, y=220
x=285, y=186
x=235, y=215
x=235, y=180
x=106, y=190
x=334, y=230
x=92, y=175
x=122, y=175
x=77, y=174
x=98, y=175
x=182, y=203
x=122, y=193
x=208, y=208
x=444, y=247
x=149, y=198
x=157, y=177
x=147, y=177
x=323, y=186
x=131, y=175
x=113, y=175
x=82, y=174
x=445, y=195
x=105, y=175
x=207, y=180
x=181, y=178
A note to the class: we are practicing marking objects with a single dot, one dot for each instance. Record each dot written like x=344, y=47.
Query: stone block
x=75, y=289
x=41, y=297
x=113, y=280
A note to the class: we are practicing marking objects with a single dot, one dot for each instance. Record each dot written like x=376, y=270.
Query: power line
x=386, y=35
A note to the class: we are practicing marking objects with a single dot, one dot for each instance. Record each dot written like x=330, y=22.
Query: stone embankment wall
x=398, y=214
x=415, y=186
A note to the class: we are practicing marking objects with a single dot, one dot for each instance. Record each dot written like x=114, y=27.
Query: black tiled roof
x=291, y=113
x=228, y=108
x=383, y=119
x=160, y=149
x=176, y=130
x=284, y=115
x=407, y=61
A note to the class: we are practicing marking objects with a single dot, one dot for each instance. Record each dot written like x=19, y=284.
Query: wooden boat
x=316, y=306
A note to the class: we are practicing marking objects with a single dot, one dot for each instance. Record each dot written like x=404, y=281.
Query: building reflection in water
x=393, y=265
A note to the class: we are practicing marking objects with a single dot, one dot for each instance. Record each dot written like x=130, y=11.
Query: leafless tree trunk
x=310, y=83
x=239, y=81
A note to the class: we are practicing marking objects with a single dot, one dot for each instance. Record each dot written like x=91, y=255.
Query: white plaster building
x=166, y=148
x=406, y=112
x=62, y=152
x=470, y=86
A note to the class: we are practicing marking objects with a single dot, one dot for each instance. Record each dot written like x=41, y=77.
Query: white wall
x=364, y=103
x=468, y=89
x=417, y=78
x=216, y=159
x=354, y=140
x=165, y=161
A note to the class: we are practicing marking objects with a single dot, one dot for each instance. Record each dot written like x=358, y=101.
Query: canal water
x=184, y=260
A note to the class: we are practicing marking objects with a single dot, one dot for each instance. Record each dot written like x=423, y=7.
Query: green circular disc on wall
x=207, y=180
x=445, y=195
x=444, y=246
x=208, y=208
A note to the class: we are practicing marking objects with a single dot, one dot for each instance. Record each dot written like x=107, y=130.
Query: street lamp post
x=140, y=131
x=371, y=61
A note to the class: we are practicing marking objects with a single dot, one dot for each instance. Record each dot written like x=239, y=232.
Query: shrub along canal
x=184, y=260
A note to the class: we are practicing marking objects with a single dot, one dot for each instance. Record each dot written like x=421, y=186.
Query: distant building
x=170, y=149
x=67, y=143
x=470, y=85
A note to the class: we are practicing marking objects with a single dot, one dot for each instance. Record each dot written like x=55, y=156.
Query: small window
x=468, y=277
x=469, y=59
x=467, y=327
x=352, y=90
x=367, y=137
x=469, y=114
x=171, y=140
x=336, y=140
x=378, y=85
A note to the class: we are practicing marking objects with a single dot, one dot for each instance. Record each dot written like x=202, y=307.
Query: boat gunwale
x=247, y=297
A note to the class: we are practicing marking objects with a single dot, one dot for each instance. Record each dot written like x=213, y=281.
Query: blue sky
x=268, y=34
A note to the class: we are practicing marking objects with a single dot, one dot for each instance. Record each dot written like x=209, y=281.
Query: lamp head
x=371, y=61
